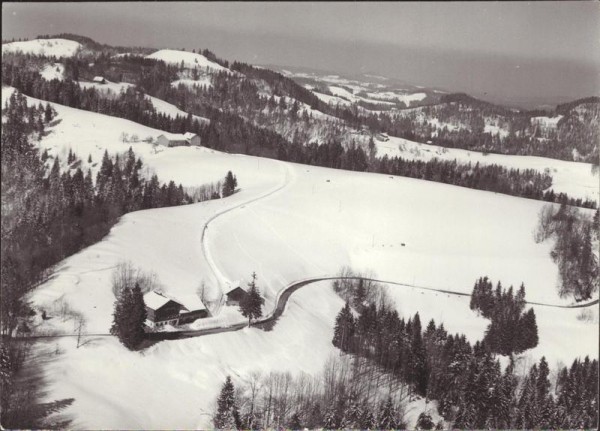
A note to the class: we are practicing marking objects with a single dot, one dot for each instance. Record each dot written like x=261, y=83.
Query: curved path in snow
x=283, y=297
x=270, y=320
x=213, y=266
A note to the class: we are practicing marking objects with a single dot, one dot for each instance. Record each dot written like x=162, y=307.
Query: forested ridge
x=227, y=131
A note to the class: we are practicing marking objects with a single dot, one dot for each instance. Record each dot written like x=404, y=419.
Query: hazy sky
x=488, y=47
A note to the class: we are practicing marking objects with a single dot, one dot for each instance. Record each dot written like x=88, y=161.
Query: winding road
x=203, y=239
x=284, y=294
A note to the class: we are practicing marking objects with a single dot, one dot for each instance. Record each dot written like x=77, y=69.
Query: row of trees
x=467, y=381
x=230, y=99
x=575, y=234
x=49, y=214
x=347, y=394
x=527, y=183
x=512, y=330
x=460, y=123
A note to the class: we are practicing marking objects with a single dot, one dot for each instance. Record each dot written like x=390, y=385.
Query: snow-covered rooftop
x=232, y=286
x=191, y=302
x=155, y=300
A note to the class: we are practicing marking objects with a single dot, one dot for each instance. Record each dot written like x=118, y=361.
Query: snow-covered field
x=49, y=47
x=574, y=178
x=53, y=71
x=160, y=105
x=403, y=97
x=203, y=81
x=189, y=59
x=288, y=222
x=108, y=87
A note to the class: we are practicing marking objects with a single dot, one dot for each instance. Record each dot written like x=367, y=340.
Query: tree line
x=346, y=394
x=228, y=131
x=527, y=183
x=463, y=120
x=466, y=380
x=573, y=251
x=53, y=213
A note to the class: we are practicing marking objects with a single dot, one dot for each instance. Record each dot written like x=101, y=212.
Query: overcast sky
x=469, y=39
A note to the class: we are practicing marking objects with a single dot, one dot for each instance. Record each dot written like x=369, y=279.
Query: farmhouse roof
x=191, y=302
x=233, y=286
x=155, y=300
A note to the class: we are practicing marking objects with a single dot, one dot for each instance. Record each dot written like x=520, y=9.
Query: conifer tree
x=225, y=416
x=343, y=332
x=229, y=185
x=251, y=303
x=424, y=422
x=129, y=317
x=387, y=415
x=527, y=336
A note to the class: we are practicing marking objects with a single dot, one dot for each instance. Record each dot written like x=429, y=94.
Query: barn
x=161, y=310
x=99, y=80
x=235, y=294
x=178, y=140
x=193, y=309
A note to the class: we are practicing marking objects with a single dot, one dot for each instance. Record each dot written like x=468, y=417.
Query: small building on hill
x=161, y=310
x=235, y=294
x=178, y=140
x=99, y=80
x=193, y=309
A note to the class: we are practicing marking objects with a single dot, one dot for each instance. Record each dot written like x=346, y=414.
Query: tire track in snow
x=220, y=277
x=281, y=304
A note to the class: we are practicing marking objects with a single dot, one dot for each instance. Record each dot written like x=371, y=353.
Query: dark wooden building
x=161, y=311
x=235, y=294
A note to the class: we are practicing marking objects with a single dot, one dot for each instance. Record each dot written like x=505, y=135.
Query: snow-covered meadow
x=58, y=48
x=576, y=179
x=288, y=222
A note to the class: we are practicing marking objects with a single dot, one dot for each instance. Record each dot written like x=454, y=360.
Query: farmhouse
x=99, y=80
x=235, y=294
x=178, y=140
x=161, y=311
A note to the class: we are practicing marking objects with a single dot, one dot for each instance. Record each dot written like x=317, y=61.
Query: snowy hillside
x=90, y=134
x=189, y=59
x=319, y=242
x=288, y=222
x=573, y=178
x=162, y=107
x=310, y=227
x=49, y=47
x=204, y=81
x=53, y=71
